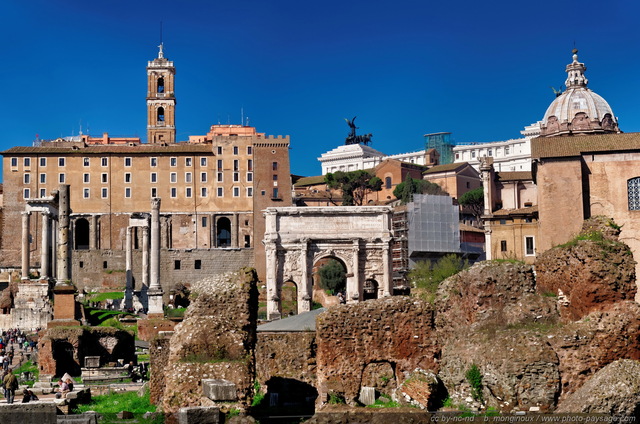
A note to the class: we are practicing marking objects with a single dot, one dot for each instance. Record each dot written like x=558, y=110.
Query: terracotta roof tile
x=143, y=149
x=445, y=168
x=521, y=211
x=307, y=181
x=556, y=147
x=514, y=176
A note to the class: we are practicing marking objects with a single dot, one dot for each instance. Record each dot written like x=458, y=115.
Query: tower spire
x=575, y=73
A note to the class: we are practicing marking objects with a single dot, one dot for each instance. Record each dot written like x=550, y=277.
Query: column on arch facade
x=305, y=290
x=354, y=285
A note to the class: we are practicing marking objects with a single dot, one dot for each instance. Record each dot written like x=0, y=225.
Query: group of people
x=64, y=386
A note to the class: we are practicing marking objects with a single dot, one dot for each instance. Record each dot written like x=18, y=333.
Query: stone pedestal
x=64, y=306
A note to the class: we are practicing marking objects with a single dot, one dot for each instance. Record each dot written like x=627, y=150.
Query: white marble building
x=351, y=157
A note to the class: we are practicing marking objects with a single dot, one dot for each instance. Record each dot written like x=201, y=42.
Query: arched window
x=633, y=192
x=387, y=182
x=370, y=289
x=82, y=234
x=223, y=232
x=161, y=85
x=160, y=114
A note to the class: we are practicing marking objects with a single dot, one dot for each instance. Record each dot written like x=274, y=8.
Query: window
x=127, y=162
x=220, y=164
x=104, y=162
x=235, y=150
x=219, y=150
x=26, y=194
x=85, y=193
x=220, y=192
x=249, y=176
x=503, y=245
x=161, y=85
x=633, y=193
x=176, y=264
x=197, y=264
x=85, y=161
x=104, y=264
x=250, y=165
x=219, y=177
x=104, y=178
x=468, y=184
x=473, y=154
x=85, y=178
x=188, y=192
x=204, y=221
x=274, y=166
x=275, y=177
x=27, y=162
x=506, y=150
x=104, y=193
x=457, y=156
x=174, y=192
x=154, y=177
x=43, y=162
x=503, y=222
x=203, y=177
x=236, y=177
x=236, y=192
x=27, y=178
x=14, y=162
x=203, y=161
x=275, y=193
x=160, y=114
x=236, y=164
x=127, y=192
x=187, y=161
x=387, y=182
x=127, y=177
x=529, y=246
x=173, y=162
x=173, y=177
x=203, y=192
x=187, y=177
x=154, y=192
x=249, y=191
x=43, y=192
x=43, y=178
x=489, y=152
x=61, y=178
x=249, y=150
x=154, y=162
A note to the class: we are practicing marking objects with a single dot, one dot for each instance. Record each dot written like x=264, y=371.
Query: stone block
x=220, y=390
x=367, y=395
x=28, y=413
x=86, y=418
x=124, y=415
x=92, y=362
x=199, y=415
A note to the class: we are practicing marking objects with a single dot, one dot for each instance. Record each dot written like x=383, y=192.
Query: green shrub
x=333, y=276
x=336, y=399
x=474, y=378
x=258, y=396
x=428, y=276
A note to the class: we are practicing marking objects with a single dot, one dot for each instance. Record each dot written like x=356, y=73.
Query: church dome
x=578, y=110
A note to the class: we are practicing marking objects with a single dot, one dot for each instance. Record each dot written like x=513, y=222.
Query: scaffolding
x=443, y=143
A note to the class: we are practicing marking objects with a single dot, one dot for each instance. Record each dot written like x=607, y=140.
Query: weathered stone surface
x=588, y=275
x=86, y=418
x=159, y=351
x=216, y=340
x=584, y=347
x=28, y=413
x=286, y=355
x=422, y=389
x=333, y=414
x=220, y=390
x=394, y=330
x=367, y=395
x=491, y=294
x=199, y=415
x=613, y=390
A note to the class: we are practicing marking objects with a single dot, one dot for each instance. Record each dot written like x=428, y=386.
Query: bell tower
x=161, y=100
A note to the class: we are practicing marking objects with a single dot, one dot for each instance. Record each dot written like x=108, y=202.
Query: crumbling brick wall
x=287, y=355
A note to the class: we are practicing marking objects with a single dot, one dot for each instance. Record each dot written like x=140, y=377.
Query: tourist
x=10, y=385
x=28, y=396
x=63, y=389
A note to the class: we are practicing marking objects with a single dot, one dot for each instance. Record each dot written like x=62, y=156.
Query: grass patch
x=111, y=404
x=101, y=297
x=258, y=396
x=384, y=402
x=29, y=367
x=175, y=312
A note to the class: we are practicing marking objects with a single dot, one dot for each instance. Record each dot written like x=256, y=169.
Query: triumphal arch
x=296, y=239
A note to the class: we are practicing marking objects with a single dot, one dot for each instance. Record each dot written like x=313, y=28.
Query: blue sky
x=481, y=70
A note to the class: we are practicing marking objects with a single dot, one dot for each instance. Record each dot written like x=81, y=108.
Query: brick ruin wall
x=286, y=356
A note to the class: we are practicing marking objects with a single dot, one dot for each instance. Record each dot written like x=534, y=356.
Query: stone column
x=155, y=290
x=25, y=245
x=354, y=286
x=128, y=291
x=304, y=292
x=235, y=231
x=63, y=235
x=44, y=249
x=273, y=297
x=145, y=256
x=386, y=267
x=93, y=233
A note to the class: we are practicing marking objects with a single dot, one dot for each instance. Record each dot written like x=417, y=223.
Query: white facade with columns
x=297, y=238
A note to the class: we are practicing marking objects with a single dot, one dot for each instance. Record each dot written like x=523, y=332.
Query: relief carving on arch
x=291, y=264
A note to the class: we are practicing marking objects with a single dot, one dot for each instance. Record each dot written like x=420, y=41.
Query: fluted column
x=354, y=285
x=128, y=291
x=273, y=297
x=45, y=247
x=304, y=295
x=155, y=290
x=386, y=268
x=145, y=256
x=25, y=245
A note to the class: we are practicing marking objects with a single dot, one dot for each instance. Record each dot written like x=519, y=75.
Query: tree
x=410, y=186
x=428, y=276
x=473, y=201
x=355, y=185
x=333, y=276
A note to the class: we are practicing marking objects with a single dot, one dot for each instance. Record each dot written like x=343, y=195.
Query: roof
x=469, y=228
x=514, y=176
x=110, y=149
x=570, y=146
x=522, y=211
x=456, y=166
x=302, y=322
x=308, y=181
